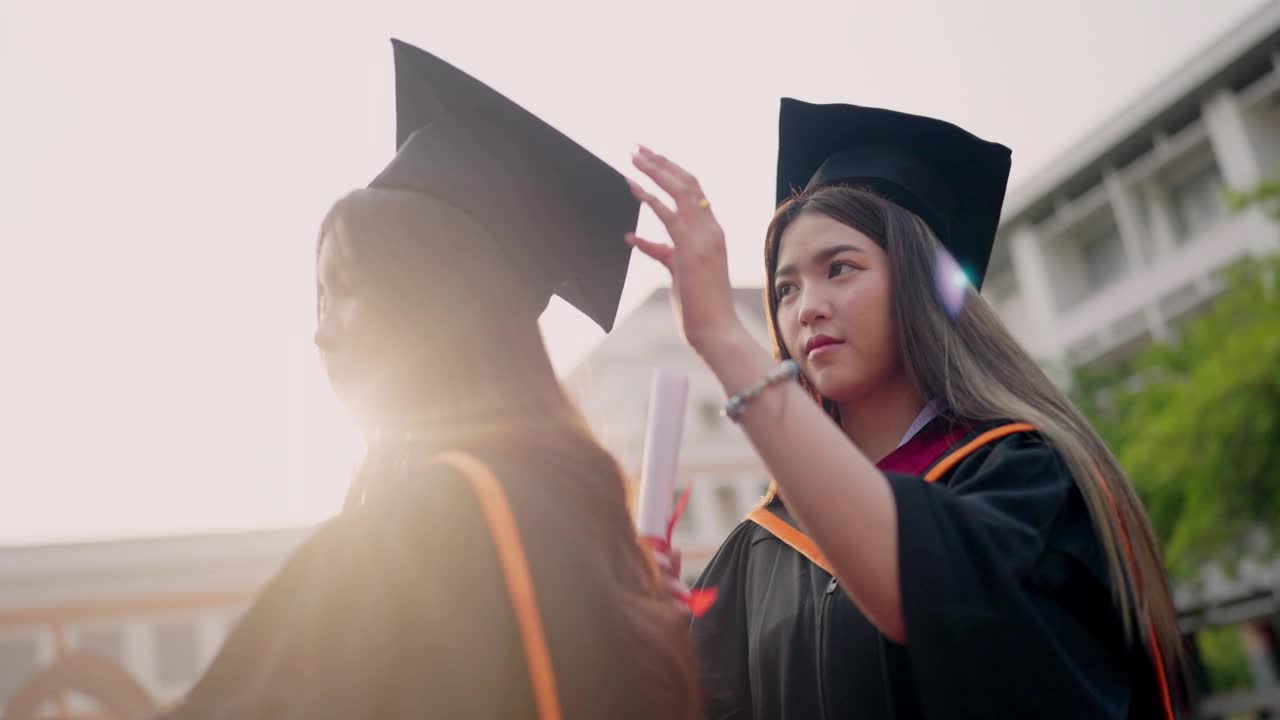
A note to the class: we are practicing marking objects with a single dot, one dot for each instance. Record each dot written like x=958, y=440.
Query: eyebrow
x=819, y=257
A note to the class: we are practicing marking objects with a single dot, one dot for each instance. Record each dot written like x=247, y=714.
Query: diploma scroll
x=667, y=398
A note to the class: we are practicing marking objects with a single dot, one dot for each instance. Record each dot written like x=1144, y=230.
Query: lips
x=818, y=342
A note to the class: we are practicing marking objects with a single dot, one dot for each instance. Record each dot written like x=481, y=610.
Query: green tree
x=1196, y=424
x=1266, y=195
x=1225, y=663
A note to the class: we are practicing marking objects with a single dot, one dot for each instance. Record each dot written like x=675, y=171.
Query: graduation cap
x=558, y=210
x=952, y=179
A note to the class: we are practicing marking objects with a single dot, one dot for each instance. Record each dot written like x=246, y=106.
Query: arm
x=835, y=491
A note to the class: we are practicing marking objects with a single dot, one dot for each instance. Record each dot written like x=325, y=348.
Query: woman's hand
x=701, y=293
x=667, y=559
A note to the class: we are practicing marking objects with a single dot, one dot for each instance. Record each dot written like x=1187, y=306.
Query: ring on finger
x=703, y=204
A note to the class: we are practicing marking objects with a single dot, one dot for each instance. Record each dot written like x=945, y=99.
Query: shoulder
x=747, y=532
x=402, y=511
x=1030, y=477
x=998, y=453
x=1015, y=485
x=355, y=591
x=432, y=488
x=731, y=557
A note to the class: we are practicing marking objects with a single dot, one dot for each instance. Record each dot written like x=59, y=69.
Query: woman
x=950, y=539
x=486, y=565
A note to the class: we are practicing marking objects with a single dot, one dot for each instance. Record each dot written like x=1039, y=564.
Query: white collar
x=929, y=412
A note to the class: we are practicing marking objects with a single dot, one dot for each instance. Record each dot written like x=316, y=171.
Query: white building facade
x=159, y=608
x=1111, y=246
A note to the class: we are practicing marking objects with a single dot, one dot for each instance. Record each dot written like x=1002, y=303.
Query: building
x=158, y=608
x=1124, y=237
x=1109, y=247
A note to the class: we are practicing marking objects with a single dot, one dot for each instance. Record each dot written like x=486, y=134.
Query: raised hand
x=701, y=293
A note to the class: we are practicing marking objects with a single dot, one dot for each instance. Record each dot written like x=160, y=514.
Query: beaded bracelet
x=737, y=405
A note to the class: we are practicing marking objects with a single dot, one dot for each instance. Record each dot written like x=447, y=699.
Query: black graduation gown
x=1004, y=590
x=398, y=609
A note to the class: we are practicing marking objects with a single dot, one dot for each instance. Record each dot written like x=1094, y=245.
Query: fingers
x=669, y=183
x=664, y=563
x=668, y=562
x=674, y=180
x=659, y=208
x=683, y=176
x=679, y=593
x=657, y=251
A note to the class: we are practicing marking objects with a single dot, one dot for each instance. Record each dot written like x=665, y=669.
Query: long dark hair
x=471, y=321
x=981, y=374
x=479, y=381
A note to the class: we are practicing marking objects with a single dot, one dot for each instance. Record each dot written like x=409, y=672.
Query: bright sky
x=164, y=167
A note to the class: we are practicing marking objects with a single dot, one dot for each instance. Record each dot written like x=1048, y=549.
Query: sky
x=164, y=168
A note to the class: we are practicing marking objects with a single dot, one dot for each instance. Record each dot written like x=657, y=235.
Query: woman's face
x=832, y=287
x=353, y=329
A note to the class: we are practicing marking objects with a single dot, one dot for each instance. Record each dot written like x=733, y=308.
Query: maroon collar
x=926, y=447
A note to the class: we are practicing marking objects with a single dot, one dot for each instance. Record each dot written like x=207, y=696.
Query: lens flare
x=950, y=282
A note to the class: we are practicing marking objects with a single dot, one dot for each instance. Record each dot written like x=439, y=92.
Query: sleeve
x=1001, y=591
x=378, y=614
x=720, y=635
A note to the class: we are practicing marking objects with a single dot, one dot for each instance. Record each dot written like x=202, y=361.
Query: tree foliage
x=1196, y=424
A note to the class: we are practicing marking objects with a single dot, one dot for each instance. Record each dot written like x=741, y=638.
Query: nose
x=814, y=307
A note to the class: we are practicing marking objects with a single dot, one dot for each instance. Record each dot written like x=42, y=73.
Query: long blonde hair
x=973, y=365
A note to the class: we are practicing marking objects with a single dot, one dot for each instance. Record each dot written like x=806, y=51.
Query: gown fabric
x=398, y=608
x=1005, y=594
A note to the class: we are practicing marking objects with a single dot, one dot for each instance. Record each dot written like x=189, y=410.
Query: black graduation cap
x=558, y=210
x=952, y=179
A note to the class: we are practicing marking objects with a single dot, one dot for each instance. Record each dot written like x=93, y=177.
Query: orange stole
x=515, y=570
x=801, y=543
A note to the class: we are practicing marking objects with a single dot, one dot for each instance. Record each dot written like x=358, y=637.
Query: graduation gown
x=1005, y=595
x=398, y=609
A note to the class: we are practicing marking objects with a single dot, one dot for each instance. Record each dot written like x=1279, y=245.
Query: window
x=1104, y=258
x=177, y=658
x=1198, y=201
x=18, y=658
x=727, y=504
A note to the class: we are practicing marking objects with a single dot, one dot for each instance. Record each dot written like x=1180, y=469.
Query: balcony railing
x=1213, y=250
